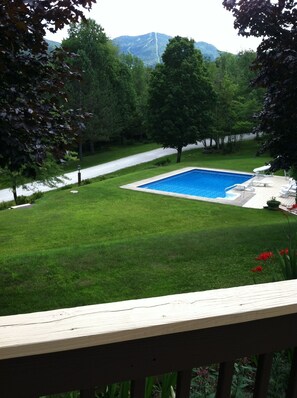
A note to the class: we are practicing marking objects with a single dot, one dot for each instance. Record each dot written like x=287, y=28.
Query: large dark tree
x=180, y=96
x=33, y=119
x=276, y=22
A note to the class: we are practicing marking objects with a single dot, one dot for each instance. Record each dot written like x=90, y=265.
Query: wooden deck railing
x=86, y=347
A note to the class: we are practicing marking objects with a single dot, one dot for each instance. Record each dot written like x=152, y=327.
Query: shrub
x=36, y=195
x=21, y=200
x=86, y=182
x=162, y=162
x=6, y=205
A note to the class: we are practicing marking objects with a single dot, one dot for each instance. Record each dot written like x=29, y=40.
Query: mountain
x=150, y=47
x=52, y=44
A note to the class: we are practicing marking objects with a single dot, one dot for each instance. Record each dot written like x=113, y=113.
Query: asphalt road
x=102, y=169
x=95, y=171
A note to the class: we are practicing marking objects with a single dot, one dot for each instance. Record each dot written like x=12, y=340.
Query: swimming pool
x=195, y=182
x=199, y=182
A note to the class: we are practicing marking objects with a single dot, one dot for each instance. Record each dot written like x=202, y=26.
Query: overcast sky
x=201, y=20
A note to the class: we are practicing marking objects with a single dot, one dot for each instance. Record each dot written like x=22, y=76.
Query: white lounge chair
x=262, y=169
x=246, y=186
x=288, y=190
x=263, y=182
x=291, y=182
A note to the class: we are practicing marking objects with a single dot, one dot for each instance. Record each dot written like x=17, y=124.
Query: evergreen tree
x=106, y=89
x=137, y=129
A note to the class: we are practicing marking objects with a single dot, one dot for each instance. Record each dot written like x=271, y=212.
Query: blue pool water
x=198, y=182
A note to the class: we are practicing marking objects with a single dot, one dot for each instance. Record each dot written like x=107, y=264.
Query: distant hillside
x=52, y=44
x=150, y=47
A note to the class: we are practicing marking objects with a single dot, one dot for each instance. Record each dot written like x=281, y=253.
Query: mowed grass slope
x=107, y=244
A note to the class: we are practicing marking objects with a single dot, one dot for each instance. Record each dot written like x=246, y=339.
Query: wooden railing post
x=225, y=380
x=138, y=388
x=263, y=375
x=183, y=384
x=87, y=393
x=292, y=388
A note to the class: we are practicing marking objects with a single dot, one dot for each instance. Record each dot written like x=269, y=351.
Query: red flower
x=284, y=251
x=264, y=256
x=259, y=268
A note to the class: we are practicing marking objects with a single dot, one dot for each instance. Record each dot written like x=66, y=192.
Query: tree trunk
x=92, y=147
x=14, y=192
x=218, y=142
x=179, y=153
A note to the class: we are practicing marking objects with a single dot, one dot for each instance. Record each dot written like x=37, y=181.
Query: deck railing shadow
x=84, y=348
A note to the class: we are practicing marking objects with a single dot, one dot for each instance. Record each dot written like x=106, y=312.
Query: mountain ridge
x=150, y=46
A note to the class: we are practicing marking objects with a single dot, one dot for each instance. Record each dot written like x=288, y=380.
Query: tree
x=33, y=118
x=276, y=65
x=137, y=129
x=225, y=89
x=92, y=93
x=180, y=96
x=237, y=100
x=106, y=89
x=49, y=173
x=249, y=98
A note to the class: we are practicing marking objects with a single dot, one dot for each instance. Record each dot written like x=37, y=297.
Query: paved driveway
x=95, y=171
x=102, y=169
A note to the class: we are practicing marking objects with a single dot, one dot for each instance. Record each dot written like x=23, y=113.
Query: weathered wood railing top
x=80, y=327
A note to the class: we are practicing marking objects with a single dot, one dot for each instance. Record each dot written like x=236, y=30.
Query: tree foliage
x=225, y=89
x=276, y=65
x=33, y=117
x=236, y=100
x=180, y=96
x=111, y=85
x=137, y=129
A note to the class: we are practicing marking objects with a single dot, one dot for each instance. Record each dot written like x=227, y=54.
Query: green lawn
x=108, y=244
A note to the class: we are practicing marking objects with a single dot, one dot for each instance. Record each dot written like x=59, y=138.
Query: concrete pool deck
x=262, y=194
x=254, y=197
